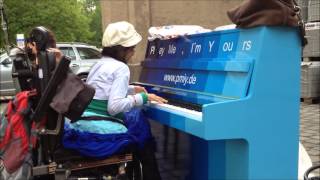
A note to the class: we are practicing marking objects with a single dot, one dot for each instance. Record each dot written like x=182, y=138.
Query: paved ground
x=2, y=106
x=310, y=130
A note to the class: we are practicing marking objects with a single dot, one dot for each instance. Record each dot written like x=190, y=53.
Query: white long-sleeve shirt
x=110, y=78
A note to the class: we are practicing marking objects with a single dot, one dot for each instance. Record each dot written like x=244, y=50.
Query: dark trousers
x=149, y=163
x=145, y=156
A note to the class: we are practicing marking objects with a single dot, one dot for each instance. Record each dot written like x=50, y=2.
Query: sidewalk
x=310, y=130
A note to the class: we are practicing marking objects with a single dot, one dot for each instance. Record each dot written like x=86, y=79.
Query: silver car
x=6, y=84
x=83, y=57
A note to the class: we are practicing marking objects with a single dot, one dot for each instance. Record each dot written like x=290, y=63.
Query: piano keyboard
x=186, y=105
x=193, y=114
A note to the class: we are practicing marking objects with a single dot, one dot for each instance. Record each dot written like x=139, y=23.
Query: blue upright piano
x=237, y=93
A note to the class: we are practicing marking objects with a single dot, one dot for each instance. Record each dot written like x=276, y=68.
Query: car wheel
x=83, y=77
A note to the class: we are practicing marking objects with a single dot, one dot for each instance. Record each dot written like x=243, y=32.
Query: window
x=88, y=53
x=68, y=51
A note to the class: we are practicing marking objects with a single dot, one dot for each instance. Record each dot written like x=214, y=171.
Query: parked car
x=83, y=56
x=7, y=87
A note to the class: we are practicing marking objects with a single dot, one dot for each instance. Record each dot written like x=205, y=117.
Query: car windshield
x=88, y=53
x=3, y=56
x=68, y=51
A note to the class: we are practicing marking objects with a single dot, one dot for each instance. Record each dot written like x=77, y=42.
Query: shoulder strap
x=301, y=24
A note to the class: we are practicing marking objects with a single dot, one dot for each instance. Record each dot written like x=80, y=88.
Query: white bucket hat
x=120, y=33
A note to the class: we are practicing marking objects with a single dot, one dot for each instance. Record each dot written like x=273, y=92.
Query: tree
x=68, y=19
x=93, y=9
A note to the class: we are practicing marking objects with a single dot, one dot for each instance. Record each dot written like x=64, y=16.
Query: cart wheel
x=83, y=77
x=134, y=170
x=310, y=170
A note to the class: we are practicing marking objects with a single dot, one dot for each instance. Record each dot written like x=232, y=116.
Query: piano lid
x=205, y=63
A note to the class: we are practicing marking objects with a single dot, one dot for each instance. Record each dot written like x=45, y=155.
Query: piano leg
x=176, y=147
x=175, y=144
x=219, y=159
x=165, y=143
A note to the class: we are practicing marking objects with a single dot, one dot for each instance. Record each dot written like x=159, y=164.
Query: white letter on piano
x=161, y=51
x=172, y=49
x=210, y=45
x=152, y=49
x=193, y=79
x=246, y=45
x=192, y=47
x=227, y=46
x=197, y=48
x=185, y=79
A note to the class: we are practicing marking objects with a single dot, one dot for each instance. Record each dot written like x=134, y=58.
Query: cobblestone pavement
x=2, y=106
x=310, y=130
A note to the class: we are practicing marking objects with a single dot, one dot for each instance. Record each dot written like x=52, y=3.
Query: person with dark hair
x=110, y=78
x=36, y=36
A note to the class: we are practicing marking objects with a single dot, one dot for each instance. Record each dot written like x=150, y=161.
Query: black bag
x=252, y=13
x=72, y=97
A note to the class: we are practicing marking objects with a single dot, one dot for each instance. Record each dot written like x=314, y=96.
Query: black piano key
x=184, y=104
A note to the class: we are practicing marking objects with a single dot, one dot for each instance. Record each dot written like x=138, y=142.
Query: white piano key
x=196, y=115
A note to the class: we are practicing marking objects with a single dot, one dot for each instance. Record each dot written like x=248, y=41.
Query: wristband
x=144, y=97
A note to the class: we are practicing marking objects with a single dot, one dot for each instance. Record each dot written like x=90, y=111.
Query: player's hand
x=158, y=99
x=139, y=89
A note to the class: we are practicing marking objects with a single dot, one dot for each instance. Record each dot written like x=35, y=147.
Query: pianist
x=110, y=78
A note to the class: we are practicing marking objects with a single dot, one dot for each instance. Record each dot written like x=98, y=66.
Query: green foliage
x=96, y=24
x=70, y=20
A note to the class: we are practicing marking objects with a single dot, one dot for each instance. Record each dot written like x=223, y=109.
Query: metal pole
x=4, y=27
